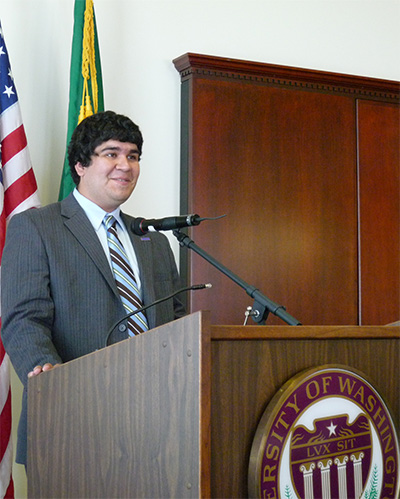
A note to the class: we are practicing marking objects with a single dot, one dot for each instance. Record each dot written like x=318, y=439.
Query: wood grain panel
x=379, y=171
x=126, y=420
x=248, y=373
x=283, y=169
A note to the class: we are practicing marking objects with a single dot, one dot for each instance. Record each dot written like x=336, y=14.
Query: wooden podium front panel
x=173, y=412
x=247, y=373
x=125, y=421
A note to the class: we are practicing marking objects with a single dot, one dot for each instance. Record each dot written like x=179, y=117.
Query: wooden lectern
x=173, y=412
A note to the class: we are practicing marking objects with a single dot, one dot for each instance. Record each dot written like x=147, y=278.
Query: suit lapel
x=79, y=225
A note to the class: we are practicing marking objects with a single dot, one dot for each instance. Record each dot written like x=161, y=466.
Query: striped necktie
x=125, y=278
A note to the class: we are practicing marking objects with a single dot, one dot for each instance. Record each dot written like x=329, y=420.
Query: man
x=59, y=294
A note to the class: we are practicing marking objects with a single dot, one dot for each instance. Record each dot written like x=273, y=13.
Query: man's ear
x=80, y=170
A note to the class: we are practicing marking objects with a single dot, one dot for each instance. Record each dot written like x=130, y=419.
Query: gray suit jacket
x=59, y=297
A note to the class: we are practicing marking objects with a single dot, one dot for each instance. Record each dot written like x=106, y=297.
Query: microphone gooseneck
x=194, y=287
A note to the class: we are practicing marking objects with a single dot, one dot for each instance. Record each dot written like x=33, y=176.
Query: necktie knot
x=109, y=221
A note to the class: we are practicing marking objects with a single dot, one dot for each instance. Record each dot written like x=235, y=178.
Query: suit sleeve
x=26, y=302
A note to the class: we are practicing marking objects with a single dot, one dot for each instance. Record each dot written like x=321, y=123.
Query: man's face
x=112, y=174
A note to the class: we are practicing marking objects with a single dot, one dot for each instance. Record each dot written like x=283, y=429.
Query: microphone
x=141, y=226
x=194, y=287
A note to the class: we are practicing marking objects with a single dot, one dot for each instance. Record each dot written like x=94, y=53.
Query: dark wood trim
x=189, y=64
x=303, y=332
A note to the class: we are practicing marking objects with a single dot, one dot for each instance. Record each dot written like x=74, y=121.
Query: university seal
x=326, y=434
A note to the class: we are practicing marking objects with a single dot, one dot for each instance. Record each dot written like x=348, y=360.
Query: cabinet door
x=379, y=187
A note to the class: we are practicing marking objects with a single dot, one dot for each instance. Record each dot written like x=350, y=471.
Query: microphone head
x=137, y=226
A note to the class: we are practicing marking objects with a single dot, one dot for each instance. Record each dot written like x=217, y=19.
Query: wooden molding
x=191, y=64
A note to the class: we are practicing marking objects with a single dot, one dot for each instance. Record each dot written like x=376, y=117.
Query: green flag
x=86, y=88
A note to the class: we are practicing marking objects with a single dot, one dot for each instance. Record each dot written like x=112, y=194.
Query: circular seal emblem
x=326, y=434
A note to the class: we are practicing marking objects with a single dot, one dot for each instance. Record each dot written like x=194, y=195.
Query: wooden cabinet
x=305, y=164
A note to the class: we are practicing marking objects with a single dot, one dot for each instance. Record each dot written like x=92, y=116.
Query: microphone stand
x=262, y=305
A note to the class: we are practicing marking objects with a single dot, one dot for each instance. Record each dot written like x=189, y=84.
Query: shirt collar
x=93, y=211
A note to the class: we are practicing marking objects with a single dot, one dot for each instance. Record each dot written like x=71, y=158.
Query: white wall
x=138, y=41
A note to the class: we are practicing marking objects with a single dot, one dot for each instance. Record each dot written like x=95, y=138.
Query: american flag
x=18, y=192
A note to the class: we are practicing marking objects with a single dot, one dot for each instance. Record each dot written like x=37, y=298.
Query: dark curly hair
x=95, y=130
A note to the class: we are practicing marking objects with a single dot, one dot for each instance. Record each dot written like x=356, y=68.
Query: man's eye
x=111, y=155
x=134, y=157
